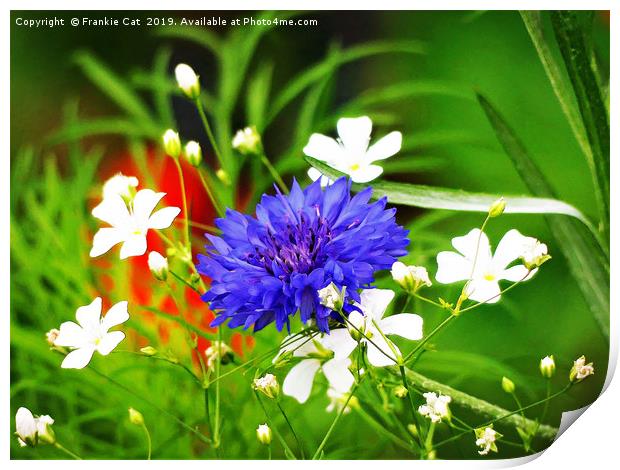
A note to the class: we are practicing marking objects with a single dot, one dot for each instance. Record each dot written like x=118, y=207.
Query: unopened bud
x=247, y=141
x=547, y=366
x=158, y=266
x=135, y=417
x=172, y=143
x=400, y=391
x=508, y=385
x=263, y=434
x=193, y=153
x=497, y=208
x=187, y=80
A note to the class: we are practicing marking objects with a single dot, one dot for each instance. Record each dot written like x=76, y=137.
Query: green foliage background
x=418, y=72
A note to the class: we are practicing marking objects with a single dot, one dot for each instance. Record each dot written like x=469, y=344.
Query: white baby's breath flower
x=485, y=438
x=581, y=370
x=547, y=366
x=476, y=262
x=193, y=153
x=331, y=297
x=187, y=80
x=436, y=407
x=371, y=324
x=121, y=185
x=32, y=430
x=263, y=434
x=337, y=401
x=328, y=353
x=218, y=349
x=534, y=253
x=90, y=333
x=172, y=143
x=268, y=385
x=130, y=223
x=247, y=141
x=350, y=153
x=158, y=265
x=410, y=278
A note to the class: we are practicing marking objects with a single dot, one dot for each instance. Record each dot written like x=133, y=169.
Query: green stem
x=380, y=428
x=301, y=448
x=274, y=173
x=421, y=344
x=428, y=443
x=184, y=198
x=205, y=123
x=148, y=440
x=287, y=449
x=73, y=455
x=333, y=425
x=403, y=376
x=209, y=192
x=218, y=363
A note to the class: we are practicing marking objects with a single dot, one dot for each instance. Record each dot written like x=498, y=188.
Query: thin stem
x=274, y=173
x=287, y=449
x=510, y=287
x=205, y=123
x=148, y=440
x=380, y=428
x=428, y=443
x=218, y=363
x=179, y=278
x=73, y=455
x=301, y=449
x=437, y=329
x=214, y=202
x=411, y=403
x=334, y=422
x=427, y=300
x=184, y=198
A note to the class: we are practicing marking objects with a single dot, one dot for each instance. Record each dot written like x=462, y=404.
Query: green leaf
x=317, y=72
x=202, y=36
x=113, y=86
x=570, y=37
x=102, y=126
x=257, y=97
x=431, y=197
x=563, y=91
x=586, y=259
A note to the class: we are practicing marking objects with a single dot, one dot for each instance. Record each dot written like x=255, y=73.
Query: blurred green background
x=448, y=142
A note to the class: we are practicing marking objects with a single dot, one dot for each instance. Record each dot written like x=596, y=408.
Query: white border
x=592, y=442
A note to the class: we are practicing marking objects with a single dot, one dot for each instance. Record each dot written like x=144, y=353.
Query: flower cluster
x=265, y=268
x=436, y=407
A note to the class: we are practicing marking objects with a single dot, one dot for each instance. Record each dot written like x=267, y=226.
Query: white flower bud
x=331, y=297
x=193, y=153
x=158, y=265
x=247, y=141
x=187, y=80
x=581, y=370
x=172, y=143
x=51, y=336
x=31, y=430
x=534, y=253
x=497, y=208
x=263, y=434
x=135, y=417
x=547, y=366
x=410, y=278
x=267, y=385
x=121, y=185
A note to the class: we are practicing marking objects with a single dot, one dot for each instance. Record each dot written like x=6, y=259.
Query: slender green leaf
x=102, y=126
x=587, y=263
x=431, y=197
x=257, y=97
x=113, y=86
x=317, y=72
x=570, y=37
x=202, y=36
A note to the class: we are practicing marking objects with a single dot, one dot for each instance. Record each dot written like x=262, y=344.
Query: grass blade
x=587, y=261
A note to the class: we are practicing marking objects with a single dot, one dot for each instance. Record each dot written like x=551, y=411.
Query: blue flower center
x=296, y=248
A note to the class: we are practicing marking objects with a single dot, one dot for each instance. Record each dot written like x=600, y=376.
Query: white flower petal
x=79, y=358
x=338, y=374
x=467, y=244
x=315, y=174
x=298, y=382
x=144, y=204
x=481, y=290
x=509, y=249
x=135, y=245
x=112, y=210
x=25, y=424
x=407, y=325
x=517, y=273
x=364, y=173
x=88, y=316
x=115, y=316
x=323, y=148
x=163, y=218
x=355, y=133
x=71, y=335
x=375, y=356
x=104, y=239
x=300, y=346
x=452, y=267
x=109, y=342
x=340, y=342
x=374, y=302
x=385, y=147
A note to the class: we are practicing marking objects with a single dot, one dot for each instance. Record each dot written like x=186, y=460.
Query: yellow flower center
x=489, y=277
x=354, y=167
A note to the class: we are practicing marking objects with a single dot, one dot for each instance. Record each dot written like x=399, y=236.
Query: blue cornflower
x=265, y=268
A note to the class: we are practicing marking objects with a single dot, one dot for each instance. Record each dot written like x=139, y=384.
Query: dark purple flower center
x=296, y=249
